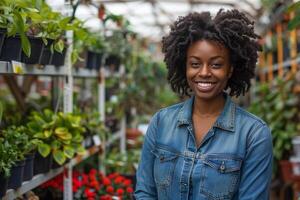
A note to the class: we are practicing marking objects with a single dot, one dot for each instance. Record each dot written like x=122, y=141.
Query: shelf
x=285, y=64
x=24, y=69
x=42, y=178
x=85, y=73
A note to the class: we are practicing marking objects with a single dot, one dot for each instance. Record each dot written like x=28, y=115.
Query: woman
x=207, y=147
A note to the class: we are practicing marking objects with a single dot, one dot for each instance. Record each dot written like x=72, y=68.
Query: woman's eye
x=216, y=65
x=195, y=64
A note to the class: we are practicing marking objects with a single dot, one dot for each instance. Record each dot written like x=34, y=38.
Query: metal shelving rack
x=16, y=69
x=42, y=178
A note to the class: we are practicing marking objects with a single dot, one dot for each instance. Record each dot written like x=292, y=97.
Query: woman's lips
x=205, y=86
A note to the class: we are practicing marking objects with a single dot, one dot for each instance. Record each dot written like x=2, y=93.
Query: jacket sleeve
x=146, y=188
x=256, y=172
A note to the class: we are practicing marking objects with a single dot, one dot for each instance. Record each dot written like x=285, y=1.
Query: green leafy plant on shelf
x=16, y=143
x=277, y=105
x=34, y=18
x=59, y=134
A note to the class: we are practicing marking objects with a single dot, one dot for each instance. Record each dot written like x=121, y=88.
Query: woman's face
x=207, y=68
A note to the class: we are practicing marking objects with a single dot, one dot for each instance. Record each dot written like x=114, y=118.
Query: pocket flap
x=164, y=155
x=223, y=165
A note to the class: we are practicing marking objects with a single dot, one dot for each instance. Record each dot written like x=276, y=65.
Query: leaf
x=47, y=133
x=59, y=45
x=44, y=149
x=293, y=7
x=59, y=157
x=63, y=23
x=39, y=135
x=38, y=4
x=69, y=151
x=80, y=150
x=294, y=23
x=67, y=136
x=61, y=131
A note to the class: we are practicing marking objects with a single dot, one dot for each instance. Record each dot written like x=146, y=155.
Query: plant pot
x=55, y=165
x=16, y=177
x=93, y=60
x=3, y=185
x=46, y=53
x=11, y=49
x=36, y=46
x=286, y=170
x=2, y=38
x=41, y=164
x=113, y=63
x=28, y=168
x=57, y=58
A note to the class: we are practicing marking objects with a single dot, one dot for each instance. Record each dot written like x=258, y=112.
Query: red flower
x=88, y=193
x=119, y=179
x=129, y=190
x=93, y=172
x=110, y=189
x=120, y=191
x=106, y=181
x=127, y=182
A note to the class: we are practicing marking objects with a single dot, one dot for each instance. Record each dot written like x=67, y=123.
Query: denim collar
x=225, y=121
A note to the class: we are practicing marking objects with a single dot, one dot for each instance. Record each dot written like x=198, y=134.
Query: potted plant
x=9, y=156
x=20, y=141
x=59, y=135
x=277, y=105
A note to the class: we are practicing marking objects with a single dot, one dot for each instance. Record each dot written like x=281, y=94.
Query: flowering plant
x=95, y=186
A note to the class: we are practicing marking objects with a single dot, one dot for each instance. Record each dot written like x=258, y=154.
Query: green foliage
x=124, y=163
x=59, y=134
x=8, y=157
x=277, y=105
x=16, y=142
x=295, y=22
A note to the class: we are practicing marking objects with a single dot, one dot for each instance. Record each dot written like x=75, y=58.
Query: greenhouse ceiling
x=151, y=18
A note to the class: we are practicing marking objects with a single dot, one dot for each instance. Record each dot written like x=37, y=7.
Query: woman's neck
x=209, y=108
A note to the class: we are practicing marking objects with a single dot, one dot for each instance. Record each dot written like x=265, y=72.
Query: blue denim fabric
x=234, y=160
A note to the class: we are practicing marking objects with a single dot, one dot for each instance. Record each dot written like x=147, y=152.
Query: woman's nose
x=204, y=71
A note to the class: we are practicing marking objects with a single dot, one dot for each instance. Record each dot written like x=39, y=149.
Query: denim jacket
x=234, y=160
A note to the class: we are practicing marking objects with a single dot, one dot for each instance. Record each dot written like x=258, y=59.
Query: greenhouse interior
x=90, y=93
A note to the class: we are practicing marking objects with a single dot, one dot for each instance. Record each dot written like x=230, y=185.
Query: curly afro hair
x=230, y=28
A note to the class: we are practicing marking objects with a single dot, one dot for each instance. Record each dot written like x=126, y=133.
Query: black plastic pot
x=28, y=168
x=55, y=165
x=16, y=177
x=3, y=185
x=41, y=164
x=58, y=59
x=36, y=46
x=11, y=49
x=46, y=53
x=93, y=60
x=113, y=63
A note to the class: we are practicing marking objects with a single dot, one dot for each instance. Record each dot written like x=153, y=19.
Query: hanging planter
x=16, y=178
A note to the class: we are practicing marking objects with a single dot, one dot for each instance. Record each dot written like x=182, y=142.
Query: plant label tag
x=17, y=67
x=97, y=140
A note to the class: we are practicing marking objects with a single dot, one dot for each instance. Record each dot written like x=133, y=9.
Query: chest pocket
x=164, y=166
x=220, y=176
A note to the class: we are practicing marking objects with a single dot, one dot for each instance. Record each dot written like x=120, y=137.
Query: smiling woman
x=207, y=147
